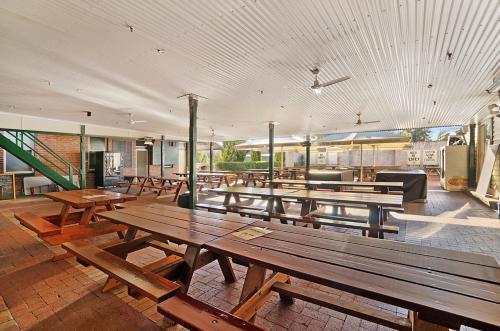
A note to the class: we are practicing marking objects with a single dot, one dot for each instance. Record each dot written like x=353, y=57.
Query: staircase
x=35, y=153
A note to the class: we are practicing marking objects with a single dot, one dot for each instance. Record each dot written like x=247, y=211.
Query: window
x=124, y=147
x=12, y=163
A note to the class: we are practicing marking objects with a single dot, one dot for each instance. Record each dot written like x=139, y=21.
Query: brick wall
x=68, y=147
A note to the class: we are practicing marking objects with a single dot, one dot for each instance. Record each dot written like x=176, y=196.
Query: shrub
x=241, y=166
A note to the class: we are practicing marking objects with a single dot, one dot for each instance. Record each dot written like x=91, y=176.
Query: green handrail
x=37, y=153
x=50, y=151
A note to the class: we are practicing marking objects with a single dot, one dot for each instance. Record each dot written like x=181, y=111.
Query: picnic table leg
x=256, y=291
x=384, y=189
x=87, y=215
x=227, y=199
x=226, y=268
x=254, y=280
x=190, y=259
x=112, y=283
x=178, y=190
x=306, y=207
x=162, y=185
x=373, y=218
x=280, y=208
x=64, y=214
x=142, y=186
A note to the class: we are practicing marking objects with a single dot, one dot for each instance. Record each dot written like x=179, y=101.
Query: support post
x=472, y=156
x=162, y=163
x=271, y=151
x=193, y=109
x=307, y=145
x=83, y=159
x=361, y=164
x=211, y=155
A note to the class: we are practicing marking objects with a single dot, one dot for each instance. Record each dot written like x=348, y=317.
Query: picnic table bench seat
x=138, y=279
x=38, y=224
x=196, y=315
x=212, y=207
x=345, y=222
x=347, y=307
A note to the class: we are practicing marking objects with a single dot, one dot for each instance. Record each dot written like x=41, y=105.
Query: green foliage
x=229, y=153
x=201, y=157
x=277, y=159
x=422, y=134
x=255, y=155
x=241, y=166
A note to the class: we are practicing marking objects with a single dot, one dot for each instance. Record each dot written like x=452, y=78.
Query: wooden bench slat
x=343, y=306
x=37, y=224
x=141, y=280
x=83, y=231
x=196, y=315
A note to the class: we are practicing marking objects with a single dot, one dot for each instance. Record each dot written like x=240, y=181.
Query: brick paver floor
x=38, y=294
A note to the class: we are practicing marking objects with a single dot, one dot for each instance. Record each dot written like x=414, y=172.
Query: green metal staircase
x=35, y=153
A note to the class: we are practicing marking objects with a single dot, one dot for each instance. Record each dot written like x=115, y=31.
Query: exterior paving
x=37, y=294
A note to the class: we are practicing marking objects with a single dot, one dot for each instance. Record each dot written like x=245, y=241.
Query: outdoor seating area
x=250, y=165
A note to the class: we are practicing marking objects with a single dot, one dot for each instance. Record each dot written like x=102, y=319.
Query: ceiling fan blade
x=143, y=121
x=335, y=81
x=370, y=122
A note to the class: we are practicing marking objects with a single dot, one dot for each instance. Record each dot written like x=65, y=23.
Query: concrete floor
x=38, y=294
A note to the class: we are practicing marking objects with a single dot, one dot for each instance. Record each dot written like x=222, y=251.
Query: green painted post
x=472, y=156
x=83, y=160
x=271, y=150
x=193, y=109
x=307, y=145
x=162, y=163
x=211, y=156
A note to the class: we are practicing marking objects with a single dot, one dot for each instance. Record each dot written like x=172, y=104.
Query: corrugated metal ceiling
x=252, y=60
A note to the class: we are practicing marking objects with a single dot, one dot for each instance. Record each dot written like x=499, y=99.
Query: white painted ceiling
x=59, y=58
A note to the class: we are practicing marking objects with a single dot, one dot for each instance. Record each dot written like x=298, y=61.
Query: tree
x=229, y=153
x=421, y=134
x=255, y=156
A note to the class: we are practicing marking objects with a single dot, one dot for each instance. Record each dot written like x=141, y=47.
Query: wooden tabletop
x=458, y=287
x=339, y=183
x=370, y=199
x=178, y=225
x=89, y=197
x=255, y=191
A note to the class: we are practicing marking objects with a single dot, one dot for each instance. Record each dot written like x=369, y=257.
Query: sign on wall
x=321, y=158
x=430, y=157
x=414, y=158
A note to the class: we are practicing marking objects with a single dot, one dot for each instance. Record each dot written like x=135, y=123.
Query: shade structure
x=261, y=144
x=364, y=138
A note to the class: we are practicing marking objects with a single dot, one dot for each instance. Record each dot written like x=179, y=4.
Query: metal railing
x=30, y=143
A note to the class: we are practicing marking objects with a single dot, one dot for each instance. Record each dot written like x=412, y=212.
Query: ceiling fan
x=131, y=120
x=317, y=87
x=359, y=121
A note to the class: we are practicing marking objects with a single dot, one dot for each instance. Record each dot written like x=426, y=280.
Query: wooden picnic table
x=272, y=195
x=441, y=288
x=308, y=199
x=313, y=184
x=222, y=177
x=88, y=200
x=374, y=202
x=170, y=224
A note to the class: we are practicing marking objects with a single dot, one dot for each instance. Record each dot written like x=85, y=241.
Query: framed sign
x=430, y=157
x=414, y=158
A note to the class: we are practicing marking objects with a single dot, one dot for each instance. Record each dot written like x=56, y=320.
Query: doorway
x=142, y=162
